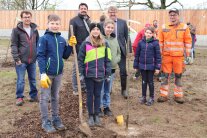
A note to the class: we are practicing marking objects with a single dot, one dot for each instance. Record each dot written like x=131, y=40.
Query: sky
x=93, y=5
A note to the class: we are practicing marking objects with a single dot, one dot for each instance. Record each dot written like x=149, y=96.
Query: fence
x=196, y=17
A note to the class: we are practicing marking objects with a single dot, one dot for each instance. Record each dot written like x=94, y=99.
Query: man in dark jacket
x=81, y=31
x=23, y=49
x=121, y=31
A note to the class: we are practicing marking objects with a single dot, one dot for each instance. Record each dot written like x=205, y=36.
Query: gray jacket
x=23, y=47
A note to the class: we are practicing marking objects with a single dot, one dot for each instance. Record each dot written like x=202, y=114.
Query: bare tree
x=29, y=4
x=149, y=3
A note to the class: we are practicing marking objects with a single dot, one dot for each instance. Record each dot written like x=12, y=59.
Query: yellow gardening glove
x=72, y=41
x=45, y=81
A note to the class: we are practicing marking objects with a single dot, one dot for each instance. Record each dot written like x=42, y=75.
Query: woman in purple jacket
x=148, y=61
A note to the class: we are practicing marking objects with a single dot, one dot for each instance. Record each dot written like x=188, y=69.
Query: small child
x=148, y=61
x=52, y=47
x=94, y=59
x=116, y=57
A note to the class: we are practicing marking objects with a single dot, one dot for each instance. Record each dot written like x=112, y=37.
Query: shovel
x=83, y=125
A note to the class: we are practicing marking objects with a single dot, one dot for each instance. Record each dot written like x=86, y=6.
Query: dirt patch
x=166, y=120
x=7, y=64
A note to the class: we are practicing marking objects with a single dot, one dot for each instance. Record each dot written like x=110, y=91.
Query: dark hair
x=154, y=20
x=25, y=12
x=83, y=4
x=188, y=23
x=152, y=29
x=53, y=17
x=102, y=18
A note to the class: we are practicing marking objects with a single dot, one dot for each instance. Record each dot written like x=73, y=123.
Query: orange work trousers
x=171, y=63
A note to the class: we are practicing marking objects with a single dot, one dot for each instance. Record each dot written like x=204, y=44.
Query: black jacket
x=23, y=47
x=79, y=29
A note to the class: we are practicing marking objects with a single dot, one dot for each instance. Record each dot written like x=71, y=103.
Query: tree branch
x=99, y=4
x=175, y=1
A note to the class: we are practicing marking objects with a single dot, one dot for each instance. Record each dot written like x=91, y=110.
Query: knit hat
x=93, y=25
x=174, y=10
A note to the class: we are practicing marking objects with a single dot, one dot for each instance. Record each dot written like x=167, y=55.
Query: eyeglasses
x=173, y=15
x=112, y=12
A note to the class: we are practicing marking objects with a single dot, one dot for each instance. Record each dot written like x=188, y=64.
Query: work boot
x=123, y=87
x=19, y=102
x=101, y=114
x=48, y=127
x=91, y=121
x=124, y=94
x=162, y=99
x=150, y=101
x=107, y=111
x=179, y=100
x=97, y=120
x=143, y=100
x=57, y=123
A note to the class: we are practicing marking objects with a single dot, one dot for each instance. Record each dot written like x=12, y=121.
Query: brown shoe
x=179, y=100
x=162, y=99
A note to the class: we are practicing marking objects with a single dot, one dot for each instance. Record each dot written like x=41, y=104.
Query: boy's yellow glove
x=45, y=81
x=72, y=41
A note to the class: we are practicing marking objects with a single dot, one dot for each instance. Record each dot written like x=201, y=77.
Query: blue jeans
x=31, y=71
x=52, y=94
x=93, y=95
x=111, y=82
x=105, y=92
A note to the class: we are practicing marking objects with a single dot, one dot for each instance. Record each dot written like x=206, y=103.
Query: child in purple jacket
x=148, y=61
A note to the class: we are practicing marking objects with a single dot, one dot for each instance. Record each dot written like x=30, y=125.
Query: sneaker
x=83, y=89
x=179, y=100
x=48, y=127
x=35, y=99
x=97, y=120
x=162, y=99
x=91, y=121
x=150, y=101
x=19, y=101
x=75, y=92
x=143, y=100
x=57, y=123
x=107, y=111
x=101, y=113
x=124, y=94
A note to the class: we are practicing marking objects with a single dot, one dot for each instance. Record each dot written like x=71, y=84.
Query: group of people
x=101, y=48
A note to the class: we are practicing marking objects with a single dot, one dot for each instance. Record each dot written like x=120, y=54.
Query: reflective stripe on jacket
x=175, y=40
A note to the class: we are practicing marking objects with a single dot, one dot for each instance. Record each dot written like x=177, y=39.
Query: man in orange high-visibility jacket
x=175, y=39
